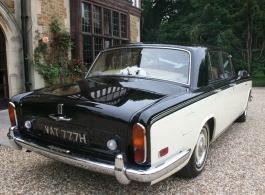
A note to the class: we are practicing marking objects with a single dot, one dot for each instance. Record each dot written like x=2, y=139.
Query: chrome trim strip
x=59, y=149
x=124, y=174
x=217, y=90
x=10, y=136
x=59, y=118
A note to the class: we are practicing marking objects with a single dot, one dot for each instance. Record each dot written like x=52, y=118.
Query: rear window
x=160, y=63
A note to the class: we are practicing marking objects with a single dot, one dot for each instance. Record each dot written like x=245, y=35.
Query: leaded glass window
x=123, y=26
x=86, y=23
x=98, y=45
x=107, y=43
x=87, y=50
x=101, y=27
x=107, y=18
x=115, y=21
x=97, y=20
x=116, y=42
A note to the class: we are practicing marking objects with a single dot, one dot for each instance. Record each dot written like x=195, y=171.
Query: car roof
x=188, y=46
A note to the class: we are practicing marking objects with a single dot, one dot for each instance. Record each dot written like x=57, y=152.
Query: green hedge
x=258, y=81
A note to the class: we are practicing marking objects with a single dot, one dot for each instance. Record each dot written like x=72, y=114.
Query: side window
x=228, y=69
x=214, y=67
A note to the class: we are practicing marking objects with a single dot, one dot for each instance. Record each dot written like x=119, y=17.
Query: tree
x=154, y=12
x=238, y=26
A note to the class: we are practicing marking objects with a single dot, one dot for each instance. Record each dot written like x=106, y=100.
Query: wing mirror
x=242, y=73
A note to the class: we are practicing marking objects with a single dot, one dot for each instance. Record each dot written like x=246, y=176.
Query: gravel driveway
x=235, y=165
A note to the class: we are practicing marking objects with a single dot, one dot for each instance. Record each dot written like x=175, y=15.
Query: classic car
x=142, y=113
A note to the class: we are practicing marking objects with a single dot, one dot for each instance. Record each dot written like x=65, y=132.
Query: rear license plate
x=69, y=135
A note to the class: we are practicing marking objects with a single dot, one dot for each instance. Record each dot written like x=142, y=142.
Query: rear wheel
x=242, y=117
x=199, y=155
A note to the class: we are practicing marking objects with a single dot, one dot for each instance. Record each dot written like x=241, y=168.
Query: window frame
x=110, y=27
x=230, y=62
x=122, y=6
x=121, y=37
x=97, y=28
x=221, y=73
x=119, y=58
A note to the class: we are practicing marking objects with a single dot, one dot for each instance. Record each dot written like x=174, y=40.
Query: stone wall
x=50, y=8
x=134, y=29
x=9, y=23
x=10, y=5
x=42, y=12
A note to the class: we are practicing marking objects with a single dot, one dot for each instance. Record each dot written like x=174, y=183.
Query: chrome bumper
x=124, y=174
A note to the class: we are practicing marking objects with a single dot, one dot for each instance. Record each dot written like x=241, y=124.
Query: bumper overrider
x=124, y=174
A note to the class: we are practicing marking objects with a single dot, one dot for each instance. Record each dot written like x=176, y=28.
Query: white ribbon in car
x=134, y=70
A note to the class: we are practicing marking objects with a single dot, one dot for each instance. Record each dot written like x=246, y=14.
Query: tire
x=198, y=159
x=243, y=117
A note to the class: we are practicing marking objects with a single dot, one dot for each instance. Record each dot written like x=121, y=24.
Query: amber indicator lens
x=139, y=143
x=12, y=114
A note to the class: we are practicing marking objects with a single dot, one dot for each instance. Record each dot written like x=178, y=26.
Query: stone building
x=97, y=24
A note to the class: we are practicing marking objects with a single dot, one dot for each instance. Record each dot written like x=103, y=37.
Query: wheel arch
x=211, y=124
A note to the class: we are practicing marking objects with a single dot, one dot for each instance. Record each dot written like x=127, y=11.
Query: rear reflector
x=163, y=152
x=139, y=143
x=12, y=114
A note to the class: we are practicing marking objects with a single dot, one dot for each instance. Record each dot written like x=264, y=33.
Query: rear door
x=223, y=91
x=240, y=89
x=230, y=77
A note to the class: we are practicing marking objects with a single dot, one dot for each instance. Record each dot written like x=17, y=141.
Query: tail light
x=139, y=143
x=12, y=114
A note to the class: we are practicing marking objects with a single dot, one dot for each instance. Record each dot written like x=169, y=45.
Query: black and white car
x=143, y=112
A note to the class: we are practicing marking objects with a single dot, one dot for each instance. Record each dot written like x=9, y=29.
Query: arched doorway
x=4, y=97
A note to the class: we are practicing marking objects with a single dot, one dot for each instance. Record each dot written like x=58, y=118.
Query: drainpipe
x=25, y=44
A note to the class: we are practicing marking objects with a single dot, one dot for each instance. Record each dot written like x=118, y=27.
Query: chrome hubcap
x=201, y=148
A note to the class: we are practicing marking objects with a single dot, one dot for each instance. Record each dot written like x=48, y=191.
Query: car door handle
x=217, y=90
x=232, y=84
x=59, y=118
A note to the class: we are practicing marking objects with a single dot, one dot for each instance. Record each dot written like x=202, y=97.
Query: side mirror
x=242, y=73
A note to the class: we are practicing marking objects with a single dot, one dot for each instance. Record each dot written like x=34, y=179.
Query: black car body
x=142, y=113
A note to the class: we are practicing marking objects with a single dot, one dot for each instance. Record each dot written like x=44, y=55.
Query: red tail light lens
x=12, y=114
x=139, y=143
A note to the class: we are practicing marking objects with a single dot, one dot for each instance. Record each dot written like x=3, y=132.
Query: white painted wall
x=136, y=3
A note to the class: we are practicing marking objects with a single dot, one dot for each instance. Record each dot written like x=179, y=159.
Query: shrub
x=51, y=58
